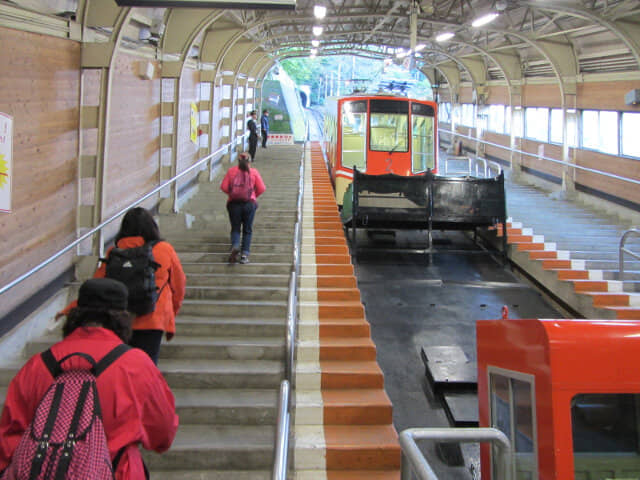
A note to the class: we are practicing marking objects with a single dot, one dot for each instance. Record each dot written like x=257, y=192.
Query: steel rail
x=622, y=250
x=96, y=229
x=413, y=461
x=542, y=157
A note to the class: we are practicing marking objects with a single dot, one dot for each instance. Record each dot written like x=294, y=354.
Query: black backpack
x=136, y=268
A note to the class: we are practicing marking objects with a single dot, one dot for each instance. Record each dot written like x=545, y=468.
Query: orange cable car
x=379, y=134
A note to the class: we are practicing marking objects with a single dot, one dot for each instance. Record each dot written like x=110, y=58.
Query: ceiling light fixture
x=315, y=43
x=484, y=19
x=420, y=47
x=319, y=11
x=314, y=51
x=317, y=30
x=443, y=37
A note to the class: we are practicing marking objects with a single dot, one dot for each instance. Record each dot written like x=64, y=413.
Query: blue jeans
x=241, y=216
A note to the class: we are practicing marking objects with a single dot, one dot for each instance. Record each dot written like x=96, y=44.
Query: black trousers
x=265, y=135
x=253, y=144
x=149, y=341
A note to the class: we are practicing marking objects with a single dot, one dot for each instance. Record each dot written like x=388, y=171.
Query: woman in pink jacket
x=243, y=185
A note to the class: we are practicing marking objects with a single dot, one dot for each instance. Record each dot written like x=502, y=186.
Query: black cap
x=103, y=294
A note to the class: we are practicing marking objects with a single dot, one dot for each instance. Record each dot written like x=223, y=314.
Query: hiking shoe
x=233, y=256
x=244, y=259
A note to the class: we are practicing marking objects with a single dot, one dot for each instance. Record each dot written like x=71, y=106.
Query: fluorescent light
x=443, y=37
x=315, y=43
x=420, y=47
x=483, y=20
x=314, y=51
x=319, y=11
x=317, y=30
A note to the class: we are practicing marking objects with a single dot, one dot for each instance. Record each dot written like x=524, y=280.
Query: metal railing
x=211, y=157
x=475, y=166
x=413, y=462
x=621, y=250
x=281, y=451
x=541, y=157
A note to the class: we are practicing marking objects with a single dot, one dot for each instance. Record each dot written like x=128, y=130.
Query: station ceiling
x=528, y=39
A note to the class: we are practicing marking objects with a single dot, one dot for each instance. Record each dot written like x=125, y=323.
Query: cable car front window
x=605, y=434
x=389, y=126
x=422, y=142
x=354, y=121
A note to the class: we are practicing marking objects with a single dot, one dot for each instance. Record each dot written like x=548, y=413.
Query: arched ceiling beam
x=183, y=27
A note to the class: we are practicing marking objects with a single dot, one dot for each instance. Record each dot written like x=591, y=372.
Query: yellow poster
x=6, y=145
x=194, y=123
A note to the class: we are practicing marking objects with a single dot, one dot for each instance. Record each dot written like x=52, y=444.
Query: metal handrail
x=413, y=460
x=473, y=162
x=542, y=157
x=96, y=229
x=281, y=450
x=622, y=250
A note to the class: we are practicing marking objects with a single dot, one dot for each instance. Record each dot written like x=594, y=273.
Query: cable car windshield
x=389, y=125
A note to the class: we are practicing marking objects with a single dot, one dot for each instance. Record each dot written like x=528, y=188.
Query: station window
x=606, y=435
x=354, y=134
x=444, y=112
x=536, y=123
x=468, y=114
x=496, y=118
x=512, y=412
x=630, y=137
x=389, y=126
x=600, y=131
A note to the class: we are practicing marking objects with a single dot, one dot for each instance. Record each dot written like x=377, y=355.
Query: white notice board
x=6, y=144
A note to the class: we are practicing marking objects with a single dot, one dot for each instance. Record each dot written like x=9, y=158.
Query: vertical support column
x=225, y=105
x=205, y=111
x=169, y=112
x=240, y=110
x=569, y=115
x=515, y=121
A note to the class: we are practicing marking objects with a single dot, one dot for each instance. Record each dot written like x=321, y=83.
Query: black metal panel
x=448, y=368
x=461, y=409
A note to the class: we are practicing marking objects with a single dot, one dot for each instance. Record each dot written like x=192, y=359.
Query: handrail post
x=281, y=450
x=622, y=251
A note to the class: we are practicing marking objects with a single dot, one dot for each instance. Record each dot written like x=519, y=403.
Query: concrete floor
x=411, y=303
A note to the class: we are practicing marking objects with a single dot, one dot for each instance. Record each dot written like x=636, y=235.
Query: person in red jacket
x=242, y=211
x=137, y=228
x=138, y=408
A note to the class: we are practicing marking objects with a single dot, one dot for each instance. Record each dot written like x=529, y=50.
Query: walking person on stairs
x=243, y=185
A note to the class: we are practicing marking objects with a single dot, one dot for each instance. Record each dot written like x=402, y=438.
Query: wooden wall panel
x=606, y=95
x=133, y=139
x=543, y=166
x=466, y=95
x=40, y=89
x=546, y=95
x=499, y=139
x=625, y=167
x=187, y=150
x=498, y=95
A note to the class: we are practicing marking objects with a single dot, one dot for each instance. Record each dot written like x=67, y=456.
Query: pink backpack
x=66, y=439
x=241, y=188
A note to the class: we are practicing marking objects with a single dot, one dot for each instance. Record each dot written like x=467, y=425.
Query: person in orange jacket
x=138, y=227
x=138, y=407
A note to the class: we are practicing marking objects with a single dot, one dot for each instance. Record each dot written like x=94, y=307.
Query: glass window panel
x=572, y=129
x=354, y=128
x=468, y=115
x=590, y=129
x=389, y=132
x=422, y=143
x=507, y=121
x=556, y=125
x=444, y=112
x=609, y=132
x=536, y=123
x=605, y=435
x=630, y=137
x=496, y=118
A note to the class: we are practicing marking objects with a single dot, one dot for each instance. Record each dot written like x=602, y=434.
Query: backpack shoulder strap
x=51, y=363
x=111, y=357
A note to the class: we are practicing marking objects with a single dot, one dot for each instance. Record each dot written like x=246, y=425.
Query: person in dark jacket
x=252, y=126
x=241, y=212
x=264, y=127
x=138, y=407
x=137, y=228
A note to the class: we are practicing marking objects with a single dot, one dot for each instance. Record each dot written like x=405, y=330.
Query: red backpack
x=66, y=438
x=241, y=188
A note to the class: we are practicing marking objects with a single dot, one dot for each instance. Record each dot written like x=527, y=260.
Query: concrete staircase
x=572, y=250
x=227, y=360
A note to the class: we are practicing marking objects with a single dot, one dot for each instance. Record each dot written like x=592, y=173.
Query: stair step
x=247, y=269
x=213, y=474
x=237, y=293
x=356, y=407
x=222, y=373
x=229, y=447
x=368, y=447
x=226, y=406
x=198, y=326
x=225, y=308
x=233, y=278
x=256, y=257
x=626, y=313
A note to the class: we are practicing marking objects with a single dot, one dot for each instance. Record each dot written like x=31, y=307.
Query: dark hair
x=265, y=111
x=252, y=112
x=138, y=222
x=118, y=321
x=243, y=162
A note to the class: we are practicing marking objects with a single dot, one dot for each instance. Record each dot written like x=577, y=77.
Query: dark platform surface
x=448, y=368
x=413, y=304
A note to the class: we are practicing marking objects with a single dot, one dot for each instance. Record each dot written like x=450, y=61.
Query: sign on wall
x=280, y=139
x=194, y=123
x=6, y=145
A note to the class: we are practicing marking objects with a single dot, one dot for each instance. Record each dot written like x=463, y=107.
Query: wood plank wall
x=40, y=89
